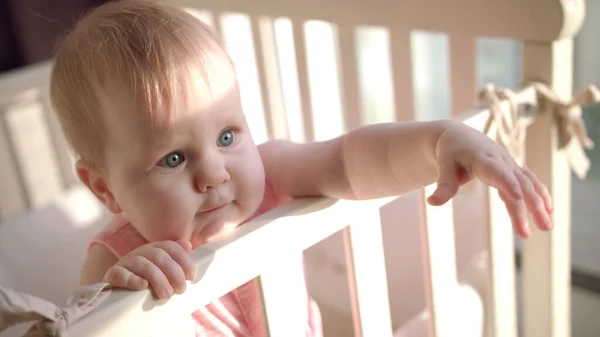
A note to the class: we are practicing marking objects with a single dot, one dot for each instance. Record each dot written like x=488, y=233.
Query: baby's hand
x=164, y=266
x=464, y=153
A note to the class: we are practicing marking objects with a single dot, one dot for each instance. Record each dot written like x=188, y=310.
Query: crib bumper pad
x=17, y=308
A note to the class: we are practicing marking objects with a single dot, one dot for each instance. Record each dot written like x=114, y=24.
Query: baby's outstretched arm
x=391, y=159
x=369, y=162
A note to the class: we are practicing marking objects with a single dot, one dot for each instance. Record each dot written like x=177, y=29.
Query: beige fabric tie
x=17, y=308
x=512, y=127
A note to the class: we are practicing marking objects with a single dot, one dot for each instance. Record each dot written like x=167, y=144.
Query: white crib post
x=299, y=34
x=283, y=301
x=502, y=306
x=267, y=64
x=349, y=78
x=437, y=235
x=367, y=275
x=13, y=199
x=546, y=256
x=463, y=72
x=64, y=157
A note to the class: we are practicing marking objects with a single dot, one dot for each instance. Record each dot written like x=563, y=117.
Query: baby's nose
x=210, y=174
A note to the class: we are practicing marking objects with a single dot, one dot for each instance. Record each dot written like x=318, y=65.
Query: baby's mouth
x=213, y=208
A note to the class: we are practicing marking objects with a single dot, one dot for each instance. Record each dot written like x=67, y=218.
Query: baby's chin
x=218, y=224
x=211, y=232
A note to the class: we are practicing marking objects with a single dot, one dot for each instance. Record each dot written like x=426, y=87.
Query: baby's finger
x=179, y=255
x=517, y=213
x=169, y=268
x=120, y=277
x=447, y=184
x=534, y=202
x=146, y=269
x=541, y=189
x=497, y=174
x=186, y=244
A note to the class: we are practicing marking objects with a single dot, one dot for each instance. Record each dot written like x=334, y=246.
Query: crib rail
x=561, y=18
x=266, y=242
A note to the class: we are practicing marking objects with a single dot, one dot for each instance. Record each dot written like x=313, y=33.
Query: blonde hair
x=143, y=46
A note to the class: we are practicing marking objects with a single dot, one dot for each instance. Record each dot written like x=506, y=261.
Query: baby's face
x=199, y=175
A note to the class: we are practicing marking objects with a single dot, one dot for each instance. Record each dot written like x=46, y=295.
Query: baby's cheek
x=251, y=186
x=168, y=216
x=163, y=228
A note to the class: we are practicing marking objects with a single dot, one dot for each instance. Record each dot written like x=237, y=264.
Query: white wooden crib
x=283, y=96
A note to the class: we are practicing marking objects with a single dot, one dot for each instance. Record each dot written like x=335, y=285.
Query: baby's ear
x=97, y=184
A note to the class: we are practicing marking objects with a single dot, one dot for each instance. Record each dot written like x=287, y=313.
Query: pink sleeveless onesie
x=237, y=313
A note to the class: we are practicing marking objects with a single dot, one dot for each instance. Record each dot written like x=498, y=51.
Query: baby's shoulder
x=272, y=198
x=119, y=236
x=99, y=259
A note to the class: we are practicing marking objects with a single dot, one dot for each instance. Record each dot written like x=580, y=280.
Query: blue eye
x=172, y=160
x=226, y=138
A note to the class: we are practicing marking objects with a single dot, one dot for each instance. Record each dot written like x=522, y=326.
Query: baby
x=148, y=99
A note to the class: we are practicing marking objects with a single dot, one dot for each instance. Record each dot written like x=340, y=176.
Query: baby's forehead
x=201, y=111
x=209, y=82
x=167, y=93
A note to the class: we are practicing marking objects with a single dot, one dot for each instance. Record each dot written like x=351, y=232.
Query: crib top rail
x=533, y=20
x=16, y=83
x=228, y=263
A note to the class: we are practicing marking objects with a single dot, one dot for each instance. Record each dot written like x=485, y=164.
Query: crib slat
x=269, y=79
x=463, y=78
x=284, y=297
x=501, y=278
x=33, y=150
x=207, y=17
x=401, y=61
x=350, y=82
x=299, y=34
x=463, y=72
x=14, y=83
x=217, y=25
x=367, y=279
x=546, y=257
x=59, y=143
x=437, y=234
x=13, y=199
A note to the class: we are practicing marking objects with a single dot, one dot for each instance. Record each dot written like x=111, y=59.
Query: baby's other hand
x=164, y=266
x=464, y=153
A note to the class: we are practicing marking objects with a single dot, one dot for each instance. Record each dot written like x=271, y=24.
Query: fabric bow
x=52, y=321
x=511, y=128
x=572, y=134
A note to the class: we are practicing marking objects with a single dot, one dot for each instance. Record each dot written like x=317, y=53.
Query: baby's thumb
x=186, y=244
x=447, y=185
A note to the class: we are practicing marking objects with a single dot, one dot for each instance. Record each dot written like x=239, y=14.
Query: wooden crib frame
x=546, y=29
